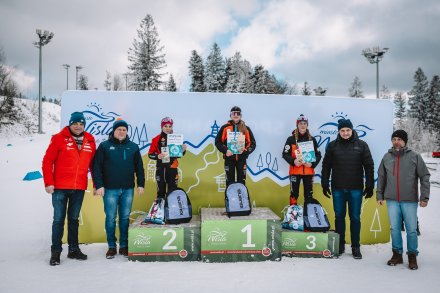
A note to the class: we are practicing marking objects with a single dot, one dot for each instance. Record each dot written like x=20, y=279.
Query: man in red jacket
x=65, y=166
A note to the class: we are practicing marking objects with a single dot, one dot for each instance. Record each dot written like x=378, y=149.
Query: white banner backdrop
x=198, y=116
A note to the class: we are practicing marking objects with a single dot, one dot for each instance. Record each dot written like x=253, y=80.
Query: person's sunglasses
x=235, y=113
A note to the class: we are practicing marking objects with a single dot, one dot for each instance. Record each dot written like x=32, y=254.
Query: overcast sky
x=315, y=41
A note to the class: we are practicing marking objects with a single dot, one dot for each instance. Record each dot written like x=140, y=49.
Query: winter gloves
x=368, y=192
x=326, y=191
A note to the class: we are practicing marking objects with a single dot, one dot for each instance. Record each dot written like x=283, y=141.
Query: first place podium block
x=151, y=242
x=256, y=237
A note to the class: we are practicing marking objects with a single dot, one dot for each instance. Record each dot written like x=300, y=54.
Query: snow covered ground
x=25, y=227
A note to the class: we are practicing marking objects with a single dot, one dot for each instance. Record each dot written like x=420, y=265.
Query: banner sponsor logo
x=289, y=242
x=142, y=240
x=217, y=236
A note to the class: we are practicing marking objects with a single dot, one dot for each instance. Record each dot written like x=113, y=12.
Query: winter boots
x=55, y=258
x=412, y=261
x=77, y=254
x=395, y=259
x=111, y=252
x=123, y=251
x=356, y=251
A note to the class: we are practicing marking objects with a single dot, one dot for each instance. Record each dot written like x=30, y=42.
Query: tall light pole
x=44, y=39
x=66, y=66
x=374, y=56
x=78, y=68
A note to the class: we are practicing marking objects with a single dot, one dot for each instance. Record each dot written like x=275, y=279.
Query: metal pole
x=67, y=78
x=377, y=80
x=76, y=79
x=40, y=112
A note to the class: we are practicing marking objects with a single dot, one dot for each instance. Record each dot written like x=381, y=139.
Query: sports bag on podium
x=294, y=218
x=237, y=200
x=315, y=218
x=156, y=214
x=178, y=207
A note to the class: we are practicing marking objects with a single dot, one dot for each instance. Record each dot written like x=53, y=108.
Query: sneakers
x=111, y=252
x=123, y=251
x=55, y=258
x=412, y=261
x=356, y=251
x=293, y=201
x=395, y=259
x=77, y=254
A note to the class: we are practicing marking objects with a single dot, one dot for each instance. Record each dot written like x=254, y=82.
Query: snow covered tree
x=399, y=106
x=432, y=104
x=215, y=74
x=146, y=57
x=355, y=91
x=117, y=82
x=239, y=75
x=319, y=91
x=384, y=93
x=306, y=90
x=107, y=81
x=420, y=138
x=196, y=72
x=171, y=84
x=83, y=82
x=417, y=97
x=259, y=80
x=8, y=90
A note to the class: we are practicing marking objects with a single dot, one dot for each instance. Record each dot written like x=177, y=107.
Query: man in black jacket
x=347, y=159
x=116, y=162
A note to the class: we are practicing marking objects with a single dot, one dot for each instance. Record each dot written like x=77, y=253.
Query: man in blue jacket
x=116, y=162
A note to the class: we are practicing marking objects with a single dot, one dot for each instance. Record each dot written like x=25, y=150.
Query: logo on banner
x=100, y=125
x=329, y=130
x=142, y=240
x=217, y=237
x=289, y=242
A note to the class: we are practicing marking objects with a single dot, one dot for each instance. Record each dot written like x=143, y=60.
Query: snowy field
x=25, y=225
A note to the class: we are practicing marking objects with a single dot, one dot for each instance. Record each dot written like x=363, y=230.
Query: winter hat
x=119, y=123
x=166, y=120
x=77, y=117
x=342, y=123
x=235, y=109
x=302, y=118
x=400, y=134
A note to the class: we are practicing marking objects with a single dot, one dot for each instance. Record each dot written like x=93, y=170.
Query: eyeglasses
x=235, y=113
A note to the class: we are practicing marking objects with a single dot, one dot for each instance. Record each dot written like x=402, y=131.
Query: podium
x=310, y=244
x=256, y=237
x=151, y=242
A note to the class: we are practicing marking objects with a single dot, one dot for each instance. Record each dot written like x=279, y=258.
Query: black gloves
x=326, y=191
x=368, y=192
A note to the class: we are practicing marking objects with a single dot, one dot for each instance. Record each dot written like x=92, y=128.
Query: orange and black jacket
x=290, y=156
x=221, y=141
x=156, y=148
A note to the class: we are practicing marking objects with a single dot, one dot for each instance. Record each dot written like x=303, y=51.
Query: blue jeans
x=117, y=201
x=70, y=201
x=407, y=211
x=354, y=199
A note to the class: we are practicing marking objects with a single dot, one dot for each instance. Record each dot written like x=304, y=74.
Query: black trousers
x=295, y=181
x=166, y=177
x=232, y=168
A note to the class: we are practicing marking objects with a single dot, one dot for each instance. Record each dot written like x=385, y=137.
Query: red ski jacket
x=64, y=166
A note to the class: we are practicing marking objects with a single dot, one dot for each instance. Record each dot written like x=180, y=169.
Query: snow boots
x=111, y=252
x=412, y=261
x=356, y=251
x=55, y=258
x=77, y=254
x=395, y=259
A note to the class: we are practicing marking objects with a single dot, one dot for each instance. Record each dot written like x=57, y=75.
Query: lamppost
x=374, y=56
x=66, y=66
x=78, y=68
x=44, y=39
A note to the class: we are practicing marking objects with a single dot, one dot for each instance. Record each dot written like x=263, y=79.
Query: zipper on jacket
x=397, y=176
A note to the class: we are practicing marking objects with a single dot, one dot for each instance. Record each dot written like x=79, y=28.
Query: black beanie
x=400, y=134
x=342, y=123
x=119, y=123
x=235, y=108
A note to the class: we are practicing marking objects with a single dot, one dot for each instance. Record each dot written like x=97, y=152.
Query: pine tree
x=83, y=82
x=239, y=75
x=146, y=57
x=355, y=91
x=259, y=80
x=319, y=91
x=399, y=108
x=385, y=93
x=196, y=72
x=117, y=82
x=432, y=116
x=417, y=96
x=107, y=82
x=215, y=74
x=305, y=90
x=171, y=84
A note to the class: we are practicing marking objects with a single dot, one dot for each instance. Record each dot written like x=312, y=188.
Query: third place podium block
x=256, y=237
x=310, y=244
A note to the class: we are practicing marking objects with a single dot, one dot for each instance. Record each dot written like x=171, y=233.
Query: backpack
x=156, y=213
x=294, y=218
x=178, y=207
x=315, y=218
x=237, y=200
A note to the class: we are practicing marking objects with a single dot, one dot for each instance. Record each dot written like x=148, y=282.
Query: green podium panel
x=310, y=244
x=151, y=242
x=256, y=237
